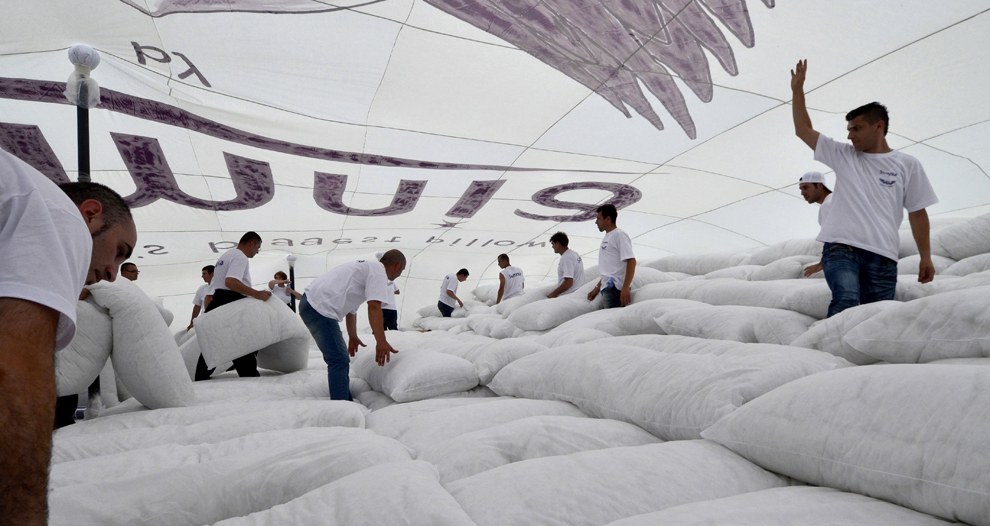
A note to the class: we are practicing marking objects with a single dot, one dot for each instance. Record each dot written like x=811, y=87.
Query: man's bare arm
x=799, y=110
x=920, y=230
x=195, y=313
x=235, y=285
x=625, y=295
x=501, y=288
x=383, y=350
x=564, y=285
x=27, y=380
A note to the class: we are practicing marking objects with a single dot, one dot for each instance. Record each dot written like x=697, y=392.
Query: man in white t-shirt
x=616, y=262
x=511, y=281
x=390, y=311
x=232, y=282
x=874, y=184
x=201, y=292
x=570, y=268
x=448, y=292
x=334, y=297
x=814, y=191
x=54, y=240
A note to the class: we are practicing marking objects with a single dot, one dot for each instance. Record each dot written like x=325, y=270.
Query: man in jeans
x=336, y=296
x=616, y=262
x=874, y=184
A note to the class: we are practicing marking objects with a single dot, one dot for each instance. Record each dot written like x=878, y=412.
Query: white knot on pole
x=291, y=259
x=81, y=89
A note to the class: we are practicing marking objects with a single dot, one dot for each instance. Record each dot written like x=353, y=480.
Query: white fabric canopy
x=455, y=131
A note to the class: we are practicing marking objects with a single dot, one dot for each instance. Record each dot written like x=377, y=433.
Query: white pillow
x=599, y=486
x=739, y=272
x=948, y=325
x=77, y=365
x=736, y=323
x=827, y=335
x=496, y=355
x=415, y=373
x=791, y=247
x=568, y=338
x=909, y=264
x=697, y=264
x=790, y=506
x=791, y=267
x=395, y=494
x=527, y=438
x=145, y=357
x=548, y=313
x=249, y=325
x=964, y=239
x=970, y=265
x=672, y=395
x=915, y=435
x=440, y=323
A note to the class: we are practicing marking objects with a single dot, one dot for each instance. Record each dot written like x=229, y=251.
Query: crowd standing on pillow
x=231, y=282
x=334, y=297
x=814, y=191
x=616, y=262
x=874, y=184
x=570, y=268
x=448, y=292
x=510, y=280
x=54, y=242
x=199, y=300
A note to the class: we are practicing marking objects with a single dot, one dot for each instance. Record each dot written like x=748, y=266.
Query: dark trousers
x=391, y=319
x=445, y=310
x=247, y=365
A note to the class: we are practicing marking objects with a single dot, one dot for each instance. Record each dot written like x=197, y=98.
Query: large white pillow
x=791, y=247
x=145, y=357
x=964, y=239
x=249, y=325
x=737, y=323
x=948, y=325
x=827, y=335
x=738, y=272
x=672, y=395
x=790, y=506
x=395, y=494
x=600, y=486
x=568, y=338
x=970, y=265
x=915, y=435
x=909, y=265
x=415, y=373
x=496, y=355
x=697, y=264
x=526, y=438
x=77, y=365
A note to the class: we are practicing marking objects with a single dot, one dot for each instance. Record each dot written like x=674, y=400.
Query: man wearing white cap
x=814, y=191
x=874, y=185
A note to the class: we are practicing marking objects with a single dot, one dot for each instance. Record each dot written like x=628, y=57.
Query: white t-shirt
x=201, y=294
x=45, y=246
x=232, y=264
x=514, y=282
x=390, y=291
x=449, y=283
x=871, y=192
x=345, y=287
x=281, y=293
x=570, y=266
x=615, y=250
x=823, y=209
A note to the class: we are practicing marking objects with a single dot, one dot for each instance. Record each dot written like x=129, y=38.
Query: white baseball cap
x=813, y=177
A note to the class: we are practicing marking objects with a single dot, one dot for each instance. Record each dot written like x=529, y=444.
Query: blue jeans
x=329, y=339
x=856, y=276
x=610, y=297
x=445, y=310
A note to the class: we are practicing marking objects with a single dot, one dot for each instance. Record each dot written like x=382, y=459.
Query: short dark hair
x=559, y=238
x=871, y=113
x=503, y=257
x=209, y=268
x=128, y=264
x=284, y=276
x=393, y=256
x=608, y=210
x=463, y=272
x=249, y=237
x=115, y=209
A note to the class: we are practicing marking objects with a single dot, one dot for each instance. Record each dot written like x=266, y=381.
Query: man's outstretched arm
x=27, y=414
x=799, y=110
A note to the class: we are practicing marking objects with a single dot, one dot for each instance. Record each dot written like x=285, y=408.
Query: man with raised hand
x=334, y=297
x=232, y=282
x=570, y=268
x=511, y=281
x=53, y=242
x=874, y=184
x=616, y=262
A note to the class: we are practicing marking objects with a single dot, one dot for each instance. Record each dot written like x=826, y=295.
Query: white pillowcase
x=249, y=325
x=910, y=264
x=672, y=395
x=77, y=365
x=964, y=239
x=948, y=325
x=827, y=335
x=915, y=435
x=791, y=267
x=145, y=357
x=415, y=374
x=970, y=265
x=697, y=264
x=791, y=247
x=737, y=323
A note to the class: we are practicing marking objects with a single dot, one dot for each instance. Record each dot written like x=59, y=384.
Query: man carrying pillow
x=874, y=184
x=231, y=282
x=52, y=243
x=334, y=297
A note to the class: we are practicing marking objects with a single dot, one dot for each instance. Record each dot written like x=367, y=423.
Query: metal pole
x=82, y=135
x=292, y=284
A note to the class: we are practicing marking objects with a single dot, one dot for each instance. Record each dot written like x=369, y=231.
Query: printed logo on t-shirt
x=887, y=179
x=603, y=247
